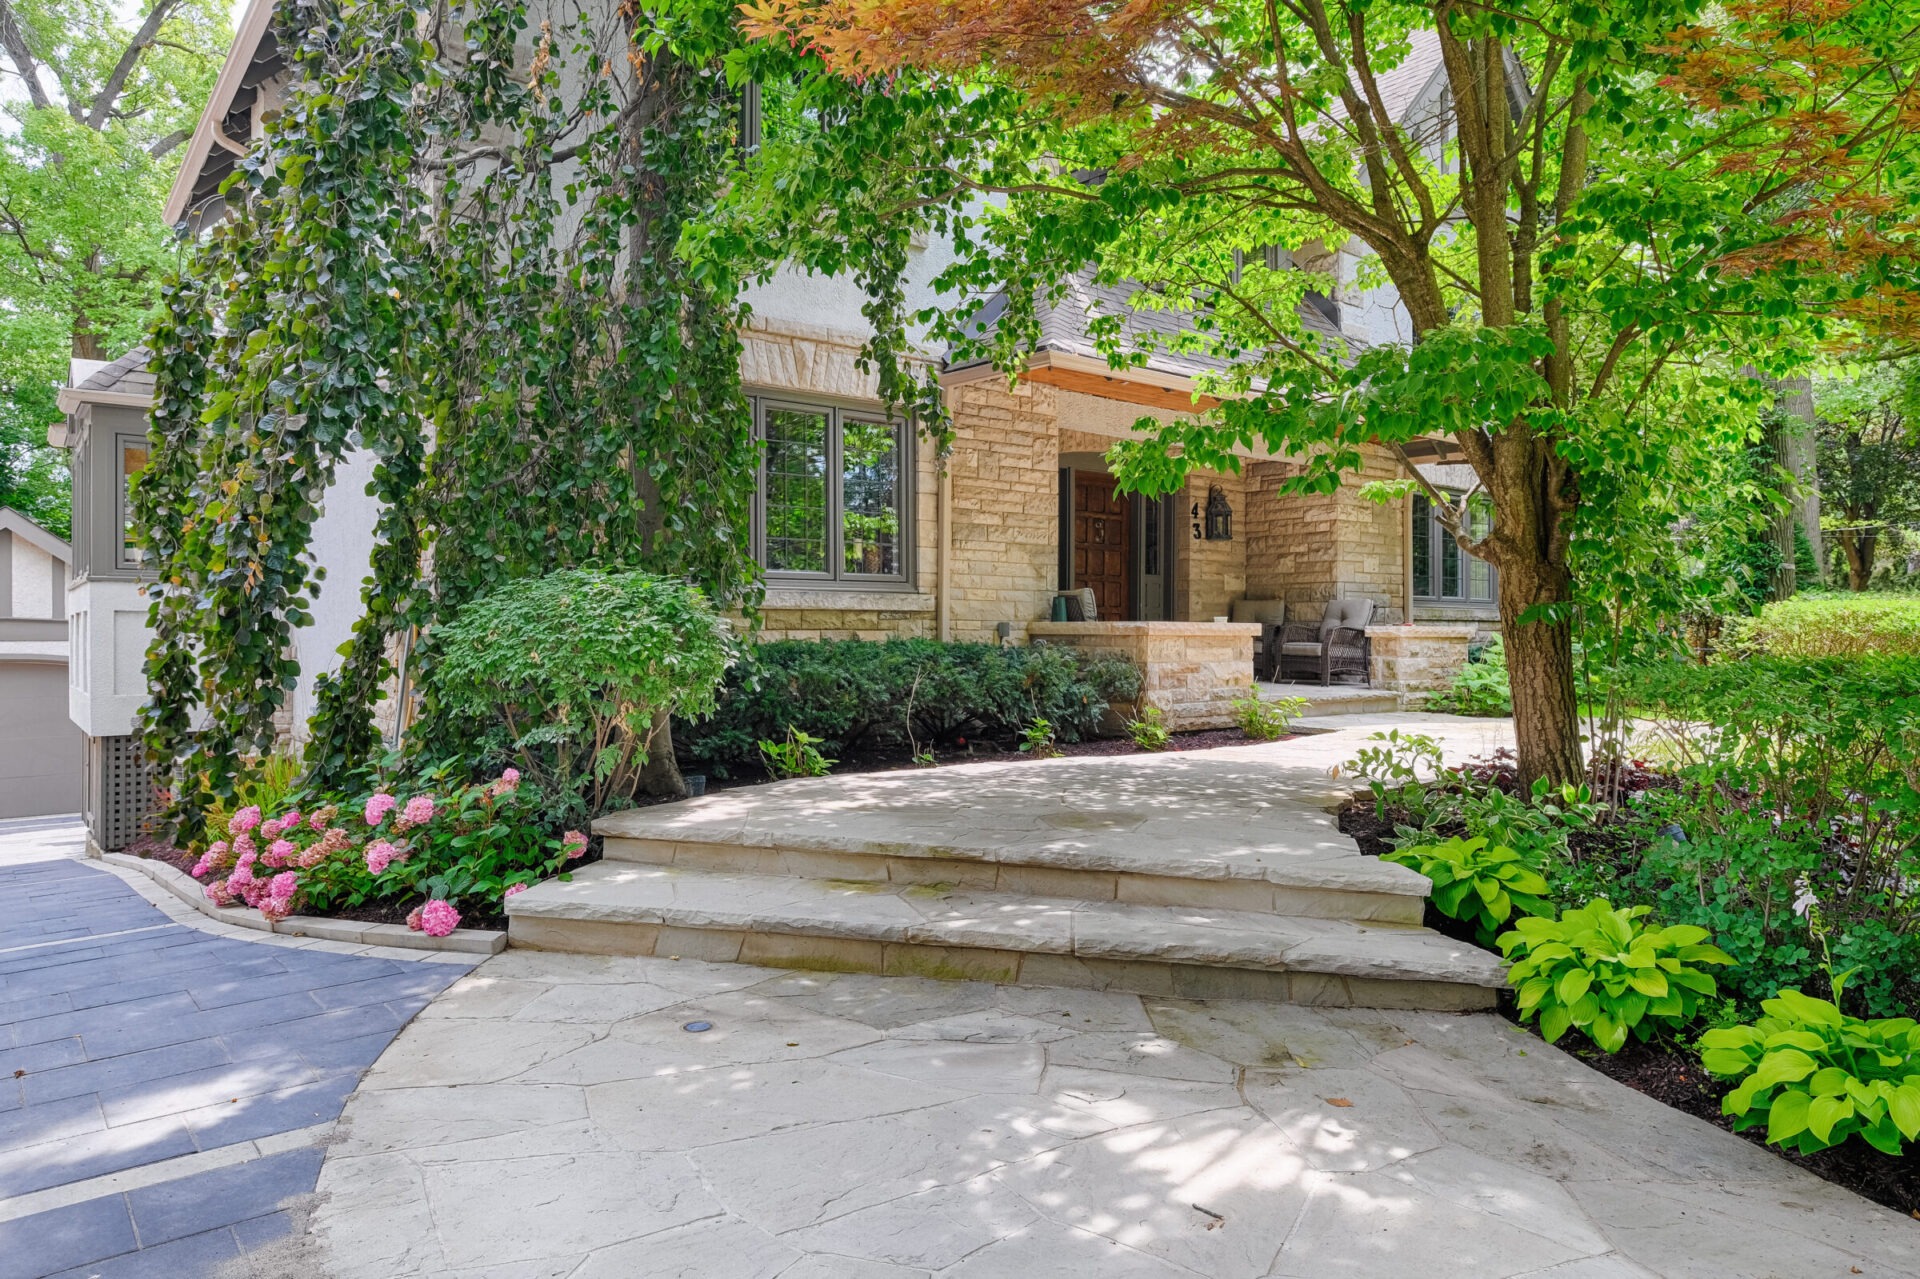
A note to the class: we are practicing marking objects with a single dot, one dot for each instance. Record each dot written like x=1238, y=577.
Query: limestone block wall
x=1419, y=658
x=1209, y=576
x=1190, y=671
x=911, y=619
x=1003, y=558
x=1308, y=550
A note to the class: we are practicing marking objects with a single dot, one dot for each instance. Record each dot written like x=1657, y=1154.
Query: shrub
x=1598, y=969
x=899, y=697
x=1815, y=1076
x=798, y=756
x=1477, y=883
x=581, y=668
x=1148, y=730
x=1481, y=687
x=1037, y=740
x=470, y=844
x=1787, y=770
x=1813, y=626
x=1266, y=720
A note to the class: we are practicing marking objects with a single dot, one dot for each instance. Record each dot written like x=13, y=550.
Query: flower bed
x=427, y=859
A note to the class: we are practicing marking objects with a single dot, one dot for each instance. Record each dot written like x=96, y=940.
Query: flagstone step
x=1318, y=875
x=879, y=926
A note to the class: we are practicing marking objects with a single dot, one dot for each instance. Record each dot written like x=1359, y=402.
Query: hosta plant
x=1477, y=883
x=1815, y=1076
x=1600, y=970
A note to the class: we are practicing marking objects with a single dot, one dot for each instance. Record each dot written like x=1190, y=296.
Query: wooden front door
x=1102, y=543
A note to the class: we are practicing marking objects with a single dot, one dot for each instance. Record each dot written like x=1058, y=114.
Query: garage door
x=39, y=745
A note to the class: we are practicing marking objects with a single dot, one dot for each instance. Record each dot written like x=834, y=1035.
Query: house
x=40, y=746
x=862, y=531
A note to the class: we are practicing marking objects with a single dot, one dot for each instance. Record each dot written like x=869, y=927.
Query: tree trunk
x=1546, y=714
x=1858, y=544
x=1799, y=453
x=661, y=773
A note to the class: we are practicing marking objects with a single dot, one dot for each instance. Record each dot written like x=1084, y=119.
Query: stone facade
x=1190, y=671
x=1002, y=528
x=1419, y=658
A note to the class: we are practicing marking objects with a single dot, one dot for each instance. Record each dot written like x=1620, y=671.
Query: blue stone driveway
x=162, y=1088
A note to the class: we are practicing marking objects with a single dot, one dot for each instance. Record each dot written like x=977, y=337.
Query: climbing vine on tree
x=459, y=247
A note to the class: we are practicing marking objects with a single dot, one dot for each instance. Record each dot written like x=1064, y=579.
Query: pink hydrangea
x=574, y=844
x=283, y=886
x=511, y=777
x=219, y=894
x=418, y=812
x=280, y=853
x=204, y=867
x=413, y=918
x=319, y=818
x=514, y=890
x=242, y=874
x=276, y=909
x=291, y=821
x=378, y=807
x=438, y=918
x=244, y=820
x=380, y=855
x=243, y=847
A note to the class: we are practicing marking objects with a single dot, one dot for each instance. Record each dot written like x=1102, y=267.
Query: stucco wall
x=38, y=580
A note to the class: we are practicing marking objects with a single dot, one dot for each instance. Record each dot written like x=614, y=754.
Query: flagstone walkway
x=607, y=1118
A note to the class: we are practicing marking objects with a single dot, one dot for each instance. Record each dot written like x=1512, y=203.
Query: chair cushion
x=1300, y=649
x=1265, y=612
x=1350, y=612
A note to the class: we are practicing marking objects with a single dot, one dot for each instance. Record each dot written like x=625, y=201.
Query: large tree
x=1599, y=228
x=1869, y=448
x=99, y=98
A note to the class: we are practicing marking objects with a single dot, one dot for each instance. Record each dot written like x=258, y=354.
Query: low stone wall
x=1419, y=658
x=1190, y=671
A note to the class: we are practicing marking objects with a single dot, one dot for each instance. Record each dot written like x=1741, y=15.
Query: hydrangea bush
x=475, y=844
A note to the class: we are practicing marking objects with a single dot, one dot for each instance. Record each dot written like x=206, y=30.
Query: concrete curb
x=471, y=941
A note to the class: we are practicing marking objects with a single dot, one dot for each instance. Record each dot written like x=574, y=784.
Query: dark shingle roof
x=128, y=374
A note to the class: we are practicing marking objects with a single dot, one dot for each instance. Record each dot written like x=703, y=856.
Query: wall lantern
x=1219, y=516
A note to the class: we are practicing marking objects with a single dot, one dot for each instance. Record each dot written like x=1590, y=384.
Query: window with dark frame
x=832, y=501
x=131, y=459
x=1442, y=572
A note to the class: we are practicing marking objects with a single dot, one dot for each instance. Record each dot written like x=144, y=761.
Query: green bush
x=1477, y=883
x=1814, y=626
x=578, y=668
x=1263, y=719
x=798, y=756
x=1815, y=1076
x=899, y=697
x=1149, y=730
x=1481, y=687
x=1598, y=969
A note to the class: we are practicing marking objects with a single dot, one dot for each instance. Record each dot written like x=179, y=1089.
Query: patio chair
x=1335, y=645
x=1271, y=615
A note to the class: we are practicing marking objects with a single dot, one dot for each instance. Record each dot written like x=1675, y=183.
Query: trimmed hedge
x=887, y=697
x=1812, y=626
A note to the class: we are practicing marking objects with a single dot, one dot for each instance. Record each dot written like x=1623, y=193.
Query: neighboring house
x=39, y=745
x=862, y=533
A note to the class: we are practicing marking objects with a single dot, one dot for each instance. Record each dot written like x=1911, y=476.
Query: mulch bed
x=1671, y=1073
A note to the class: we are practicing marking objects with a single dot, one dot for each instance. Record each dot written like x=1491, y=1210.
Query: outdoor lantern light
x=1219, y=516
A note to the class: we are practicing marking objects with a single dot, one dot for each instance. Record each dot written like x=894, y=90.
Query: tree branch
x=103, y=101
x=14, y=41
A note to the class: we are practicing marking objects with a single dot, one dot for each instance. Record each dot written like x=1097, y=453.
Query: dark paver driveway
x=161, y=1088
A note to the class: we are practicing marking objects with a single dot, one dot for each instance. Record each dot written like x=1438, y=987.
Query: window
x=833, y=495
x=132, y=459
x=1441, y=570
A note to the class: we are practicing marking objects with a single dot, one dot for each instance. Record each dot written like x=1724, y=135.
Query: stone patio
x=558, y=1115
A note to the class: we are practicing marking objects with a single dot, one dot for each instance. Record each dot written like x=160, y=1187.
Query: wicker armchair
x=1335, y=645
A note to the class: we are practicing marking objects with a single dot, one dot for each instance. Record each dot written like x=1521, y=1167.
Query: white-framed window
x=1442, y=572
x=833, y=499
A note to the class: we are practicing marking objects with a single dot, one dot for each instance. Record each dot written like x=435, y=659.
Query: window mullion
x=836, y=495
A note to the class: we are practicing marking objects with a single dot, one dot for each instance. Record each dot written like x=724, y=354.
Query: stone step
x=1309, y=883
x=879, y=926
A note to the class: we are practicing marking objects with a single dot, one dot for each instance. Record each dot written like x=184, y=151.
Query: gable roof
x=12, y=521
x=215, y=145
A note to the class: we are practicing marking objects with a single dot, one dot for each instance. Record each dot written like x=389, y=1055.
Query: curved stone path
x=166, y=1081
x=565, y=1116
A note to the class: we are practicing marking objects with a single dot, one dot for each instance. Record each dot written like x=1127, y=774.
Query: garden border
x=471, y=941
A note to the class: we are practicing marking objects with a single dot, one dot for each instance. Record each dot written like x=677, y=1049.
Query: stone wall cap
x=1424, y=630
x=1152, y=630
x=778, y=598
